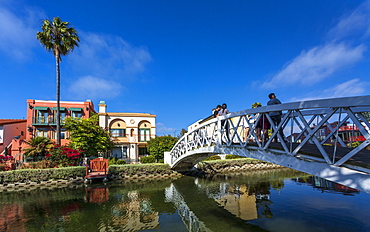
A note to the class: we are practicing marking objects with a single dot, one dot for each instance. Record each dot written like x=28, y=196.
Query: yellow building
x=129, y=132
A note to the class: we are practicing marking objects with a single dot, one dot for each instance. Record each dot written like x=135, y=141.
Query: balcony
x=45, y=121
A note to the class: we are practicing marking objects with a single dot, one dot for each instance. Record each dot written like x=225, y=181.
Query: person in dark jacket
x=275, y=115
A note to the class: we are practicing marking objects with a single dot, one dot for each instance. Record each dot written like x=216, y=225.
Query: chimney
x=102, y=107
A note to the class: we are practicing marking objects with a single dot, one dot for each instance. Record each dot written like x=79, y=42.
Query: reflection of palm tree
x=38, y=146
x=58, y=37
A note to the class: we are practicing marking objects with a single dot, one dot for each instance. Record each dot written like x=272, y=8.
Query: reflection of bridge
x=207, y=216
x=308, y=150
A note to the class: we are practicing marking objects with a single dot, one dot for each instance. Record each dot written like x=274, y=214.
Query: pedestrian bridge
x=328, y=138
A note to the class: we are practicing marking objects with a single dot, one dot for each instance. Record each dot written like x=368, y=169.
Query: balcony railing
x=46, y=121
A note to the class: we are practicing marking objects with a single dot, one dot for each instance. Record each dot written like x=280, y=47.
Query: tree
x=38, y=147
x=182, y=133
x=256, y=104
x=57, y=36
x=86, y=134
x=159, y=145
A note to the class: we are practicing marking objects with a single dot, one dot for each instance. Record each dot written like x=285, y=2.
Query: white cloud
x=315, y=65
x=163, y=130
x=356, y=23
x=354, y=87
x=109, y=56
x=18, y=33
x=93, y=87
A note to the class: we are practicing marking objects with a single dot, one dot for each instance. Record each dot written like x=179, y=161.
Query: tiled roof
x=10, y=121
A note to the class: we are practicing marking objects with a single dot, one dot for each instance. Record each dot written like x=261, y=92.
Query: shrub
x=112, y=160
x=233, y=157
x=64, y=156
x=37, y=175
x=121, y=162
x=214, y=157
x=2, y=167
x=147, y=159
x=115, y=160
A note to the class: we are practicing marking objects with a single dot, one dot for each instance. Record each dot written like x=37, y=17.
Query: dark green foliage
x=147, y=159
x=161, y=144
x=115, y=160
x=38, y=147
x=214, y=157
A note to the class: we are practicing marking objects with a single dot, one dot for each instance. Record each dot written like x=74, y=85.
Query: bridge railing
x=334, y=121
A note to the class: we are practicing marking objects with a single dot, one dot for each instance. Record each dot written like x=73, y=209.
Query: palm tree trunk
x=57, y=58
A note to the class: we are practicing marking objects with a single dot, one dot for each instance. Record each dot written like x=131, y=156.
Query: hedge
x=38, y=175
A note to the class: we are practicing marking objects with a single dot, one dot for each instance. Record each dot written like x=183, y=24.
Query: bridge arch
x=304, y=147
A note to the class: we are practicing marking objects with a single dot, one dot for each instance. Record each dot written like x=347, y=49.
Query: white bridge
x=318, y=139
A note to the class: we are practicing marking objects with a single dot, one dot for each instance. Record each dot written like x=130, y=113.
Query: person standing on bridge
x=275, y=115
x=224, y=123
x=216, y=110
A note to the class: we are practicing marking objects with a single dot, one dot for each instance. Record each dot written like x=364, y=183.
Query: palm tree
x=38, y=147
x=57, y=36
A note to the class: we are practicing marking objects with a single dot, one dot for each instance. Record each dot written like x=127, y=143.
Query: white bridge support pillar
x=167, y=158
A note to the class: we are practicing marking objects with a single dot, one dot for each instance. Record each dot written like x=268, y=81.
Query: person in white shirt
x=224, y=123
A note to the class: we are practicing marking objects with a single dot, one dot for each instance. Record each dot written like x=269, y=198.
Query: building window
x=144, y=135
x=143, y=151
x=63, y=134
x=42, y=116
x=42, y=133
x=119, y=152
x=118, y=132
x=76, y=114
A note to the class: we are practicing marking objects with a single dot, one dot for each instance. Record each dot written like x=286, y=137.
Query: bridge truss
x=309, y=138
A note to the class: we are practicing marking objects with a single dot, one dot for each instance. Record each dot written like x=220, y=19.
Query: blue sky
x=179, y=59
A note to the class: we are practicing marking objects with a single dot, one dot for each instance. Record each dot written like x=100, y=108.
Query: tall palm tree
x=60, y=38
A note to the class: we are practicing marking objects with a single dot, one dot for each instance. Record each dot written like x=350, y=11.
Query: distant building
x=40, y=122
x=129, y=132
x=12, y=131
x=41, y=117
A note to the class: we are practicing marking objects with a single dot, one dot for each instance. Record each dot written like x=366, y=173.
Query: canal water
x=270, y=200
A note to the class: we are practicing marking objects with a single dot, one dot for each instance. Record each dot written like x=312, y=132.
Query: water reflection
x=326, y=185
x=251, y=201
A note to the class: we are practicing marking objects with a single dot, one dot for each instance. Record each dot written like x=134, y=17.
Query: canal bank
x=18, y=180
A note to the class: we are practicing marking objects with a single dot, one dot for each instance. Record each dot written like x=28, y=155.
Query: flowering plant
x=64, y=156
x=4, y=158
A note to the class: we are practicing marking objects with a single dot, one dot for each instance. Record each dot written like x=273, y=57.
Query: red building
x=41, y=122
x=11, y=131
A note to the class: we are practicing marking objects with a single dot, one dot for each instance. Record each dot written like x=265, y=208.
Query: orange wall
x=87, y=108
x=11, y=130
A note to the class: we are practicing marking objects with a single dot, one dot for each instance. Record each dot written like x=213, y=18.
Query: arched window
x=144, y=131
x=118, y=128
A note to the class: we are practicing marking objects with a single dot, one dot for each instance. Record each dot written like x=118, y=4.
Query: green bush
x=233, y=157
x=37, y=175
x=214, y=157
x=115, y=160
x=147, y=159
x=120, y=162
